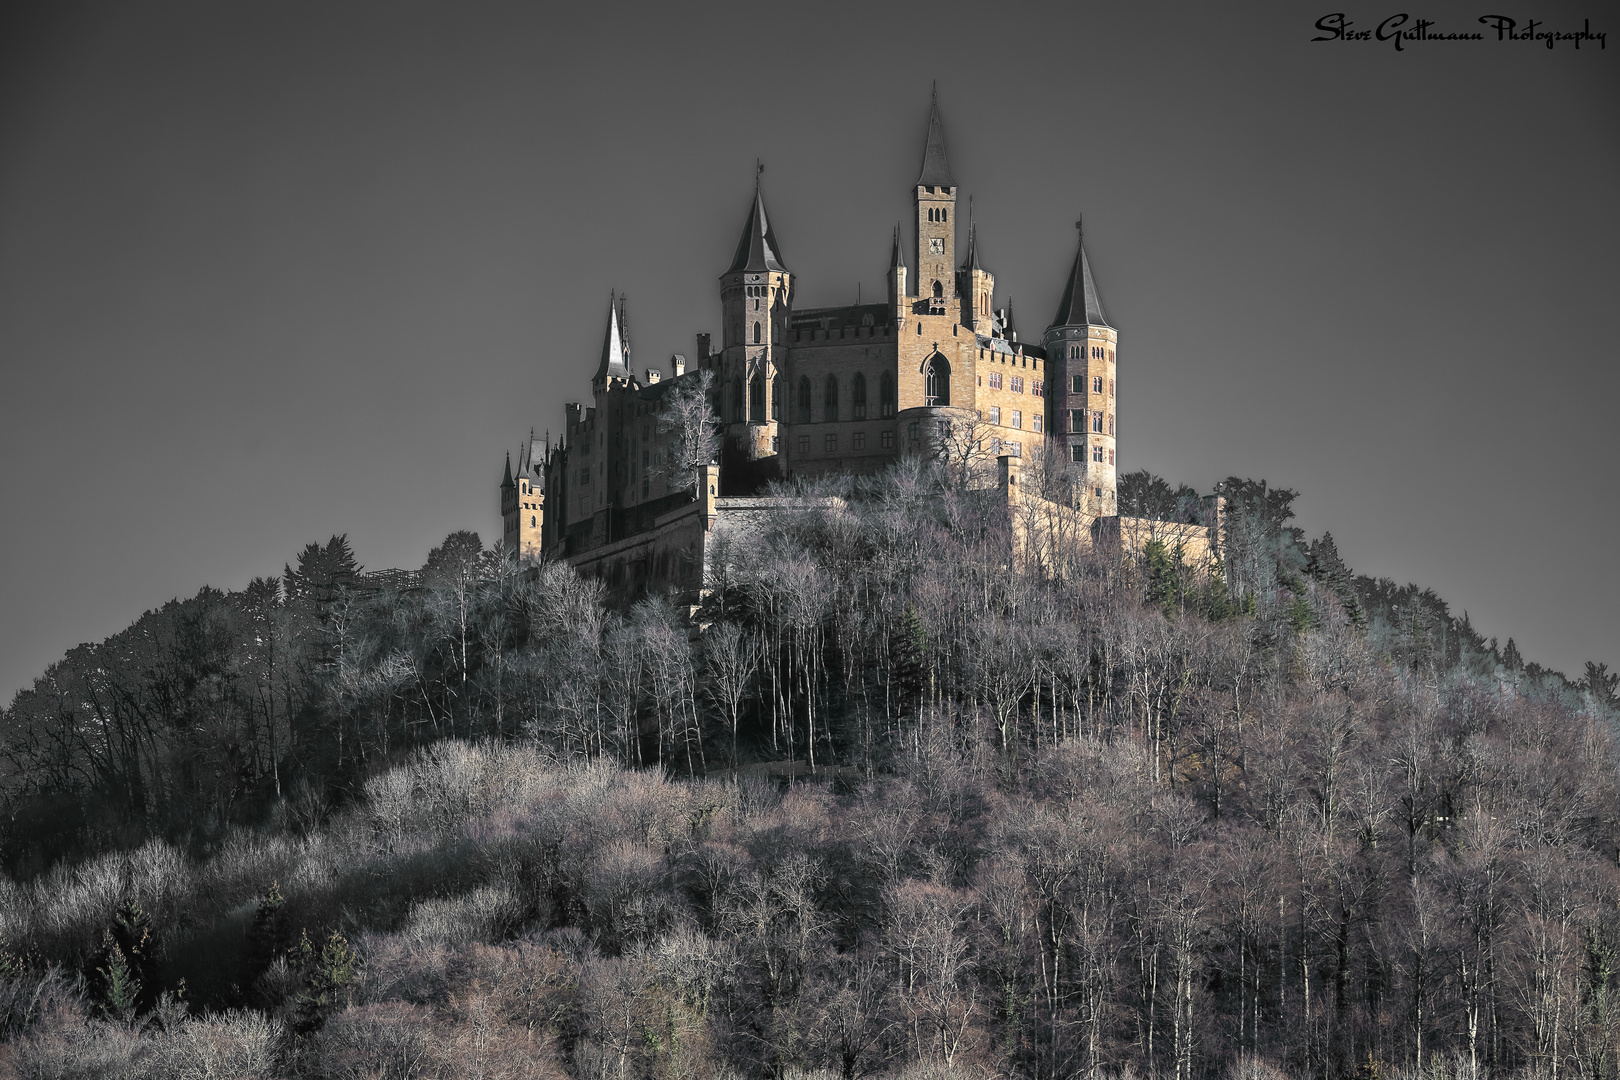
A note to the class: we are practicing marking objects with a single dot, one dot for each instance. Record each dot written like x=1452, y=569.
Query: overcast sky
x=274, y=271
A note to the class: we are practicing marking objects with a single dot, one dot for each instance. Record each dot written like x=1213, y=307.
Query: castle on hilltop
x=933, y=369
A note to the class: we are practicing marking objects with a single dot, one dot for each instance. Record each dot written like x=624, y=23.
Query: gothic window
x=857, y=396
x=776, y=398
x=937, y=381
x=829, y=409
x=756, y=400
x=756, y=333
x=1096, y=422
x=886, y=392
x=804, y=401
x=736, y=401
x=939, y=291
x=944, y=215
x=531, y=521
x=1096, y=384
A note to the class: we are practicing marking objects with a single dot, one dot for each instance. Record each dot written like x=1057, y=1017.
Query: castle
x=934, y=369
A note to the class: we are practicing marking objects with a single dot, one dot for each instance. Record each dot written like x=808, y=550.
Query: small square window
x=860, y=440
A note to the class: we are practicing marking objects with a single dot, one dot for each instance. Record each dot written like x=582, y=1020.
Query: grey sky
x=270, y=272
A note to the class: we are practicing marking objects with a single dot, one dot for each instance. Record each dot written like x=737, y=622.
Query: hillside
x=914, y=808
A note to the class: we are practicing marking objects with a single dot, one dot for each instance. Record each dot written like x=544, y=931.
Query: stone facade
x=933, y=368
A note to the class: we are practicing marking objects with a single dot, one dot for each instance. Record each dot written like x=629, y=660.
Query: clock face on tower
x=936, y=246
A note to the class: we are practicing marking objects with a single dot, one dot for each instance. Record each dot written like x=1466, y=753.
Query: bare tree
x=689, y=423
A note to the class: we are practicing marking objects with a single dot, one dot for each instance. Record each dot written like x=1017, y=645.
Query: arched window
x=829, y=409
x=939, y=291
x=776, y=398
x=857, y=396
x=804, y=400
x=944, y=215
x=937, y=381
x=736, y=401
x=756, y=400
x=756, y=333
x=886, y=393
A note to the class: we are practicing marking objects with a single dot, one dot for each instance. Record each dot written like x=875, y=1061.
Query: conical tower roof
x=614, y=362
x=506, y=482
x=897, y=257
x=1080, y=305
x=936, y=171
x=757, y=250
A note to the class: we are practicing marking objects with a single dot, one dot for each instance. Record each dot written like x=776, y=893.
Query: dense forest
x=884, y=800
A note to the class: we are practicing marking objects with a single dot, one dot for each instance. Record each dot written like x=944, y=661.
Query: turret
x=975, y=286
x=897, y=274
x=756, y=296
x=936, y=212
x=1080, y=365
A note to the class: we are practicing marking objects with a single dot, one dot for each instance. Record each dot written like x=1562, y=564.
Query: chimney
x=677, y=364
x=653, y=375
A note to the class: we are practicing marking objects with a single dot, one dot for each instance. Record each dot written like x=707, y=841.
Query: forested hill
x=915, y=808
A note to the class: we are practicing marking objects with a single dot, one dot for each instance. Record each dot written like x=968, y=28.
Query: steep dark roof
x=757, y=250
x=613, y=365
x=972, y=260
x=1008, y=329
x=897, y=258
x=1080, y=305
x=936, y=172
x=507, y=482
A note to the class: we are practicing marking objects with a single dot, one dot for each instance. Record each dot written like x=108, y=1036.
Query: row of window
x=1098, y=352
x=1096, y=385
x=1077, y=421
x=936, y=390
x=1036, y=386
x=1098, y=454
x=940, y=214
x=1015, y=419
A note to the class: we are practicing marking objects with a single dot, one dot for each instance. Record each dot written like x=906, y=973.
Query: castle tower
x=756, y=299
x=975, y=286
x=897, y=273
x=936, y=213
x=1080, y=363
x=523, y=503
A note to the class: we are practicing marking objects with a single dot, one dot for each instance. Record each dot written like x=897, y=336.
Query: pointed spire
x=936, y=172
x=614, y=360
x=507, y=482
x=1080, y=305
x=757, y=250
x=972, y=260
x=897, y=257
x=1007, y=327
